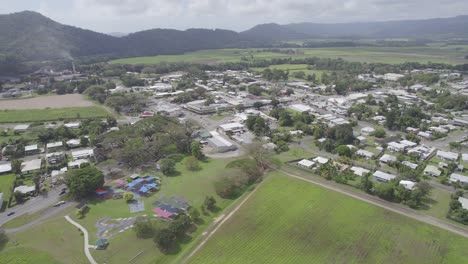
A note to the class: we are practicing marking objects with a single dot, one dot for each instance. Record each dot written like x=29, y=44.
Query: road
x=35, y=204
x=383, y=204
x=86, y=239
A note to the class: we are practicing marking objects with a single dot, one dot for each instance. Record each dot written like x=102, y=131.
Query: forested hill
x=29, y=36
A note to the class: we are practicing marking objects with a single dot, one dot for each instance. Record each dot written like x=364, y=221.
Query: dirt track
x=53, y=101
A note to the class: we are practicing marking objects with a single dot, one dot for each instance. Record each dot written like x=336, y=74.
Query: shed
x=101, y=244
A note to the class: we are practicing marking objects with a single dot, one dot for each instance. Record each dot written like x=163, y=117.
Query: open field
x=292, y=68
x=6, y=187
x=290, y=221
x=423, y=54
x=39, y=115
x=193, y=186
x=53, y=101
x=54, y=241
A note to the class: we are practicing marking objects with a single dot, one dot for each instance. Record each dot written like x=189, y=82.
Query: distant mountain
x=29, y=36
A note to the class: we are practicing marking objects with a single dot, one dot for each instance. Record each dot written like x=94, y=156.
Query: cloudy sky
x=133, y=15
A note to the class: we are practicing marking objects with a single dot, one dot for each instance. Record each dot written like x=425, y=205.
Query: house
x=393, y=77
x=364, y=153
x=143, y=186
x=431, y=170
x=358, y=171
x=83, y=154
x=232, y=128
x=54, y=145
x=55, y=157
x=146, y=114
x=306, y=163
x=220, y=144
x=396, y=147
x=77, y=163
x=424, y=135
x=362, y=140
x=443, y=165
x=383, y=177
x=462, y=200
x=368, y=131
x=31, y=149
x=465, y=156
x=25, y=189
x=410, y=164
x=412, y=130
x=5, y=168
x=454, y=177
x=73, y=143
x=20, y=128
x=321, y=160
x=387, y=159
x=408, y=143
x=409, y=185
x=300, y=108
x=422, y=151
x=448, y=156
x=31, y=165
x=74, y=125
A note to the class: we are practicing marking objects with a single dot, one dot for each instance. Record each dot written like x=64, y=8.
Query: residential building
x=55, y=157
x=409, y=185
x=321, y=160
x=73, y=143
x=410, y=164
x=5, y=168
x=433, y=171
x=25, y=189
x=54, y=145
x=422, y=151
x=408, y=143
x=454, y=177
x=220, y=144
x=358, y=171
x=383, y=177
x=306, y=163
x=76, y=164
x=83, y=154
x=447, y=156
x=396, y=147
x=464, y=202
x=232, y=128
x=20, y=128
x=31, y=149
x=364, y=153
x=74, y=125
x=368, y=131
x=31, y=165
x=388, y=159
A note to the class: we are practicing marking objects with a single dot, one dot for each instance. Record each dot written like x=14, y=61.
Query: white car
x=59, y=203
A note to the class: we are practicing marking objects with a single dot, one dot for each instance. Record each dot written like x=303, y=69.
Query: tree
x=231, y=183
x=343, y=150
x=143, y=227
x=84, y=141
x=259, y=154
x=167, y=166
x=380, y=133
x=210, y=203
x=128, y=196
x=37, y=182
x=164, y=239
x=19, y=197
x=196, y=149
x=16, y=166
x=111, y=121
x=366, y=183
x=194, y=214
x=191, y=163
x=84, y=182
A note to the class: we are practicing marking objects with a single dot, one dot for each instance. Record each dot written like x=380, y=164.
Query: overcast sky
x=134, y=15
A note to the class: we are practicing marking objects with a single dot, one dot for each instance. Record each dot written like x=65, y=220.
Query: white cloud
x=133, y=15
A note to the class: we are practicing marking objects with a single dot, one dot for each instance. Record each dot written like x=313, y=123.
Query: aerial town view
x=195, y=131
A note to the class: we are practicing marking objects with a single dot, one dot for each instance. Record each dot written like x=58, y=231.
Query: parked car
x=59, y=203
x=10, y=213
x=62, y=192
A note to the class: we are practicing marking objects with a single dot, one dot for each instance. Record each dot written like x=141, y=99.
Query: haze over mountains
x=30, y=36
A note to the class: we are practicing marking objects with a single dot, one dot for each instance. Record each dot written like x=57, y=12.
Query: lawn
x=291, y=221
x=55, y=241
x=423, y=54
x=193, y=186
x=292, y=68
x=6, y=187
x=294, y=153
x=37, y=115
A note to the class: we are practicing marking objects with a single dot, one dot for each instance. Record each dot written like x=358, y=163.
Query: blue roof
x=143, y=189
x=151, y=185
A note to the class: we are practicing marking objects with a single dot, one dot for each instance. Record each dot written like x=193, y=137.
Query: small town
x=333, y=150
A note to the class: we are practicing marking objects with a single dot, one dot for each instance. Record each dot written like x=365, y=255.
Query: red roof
x=162, y=213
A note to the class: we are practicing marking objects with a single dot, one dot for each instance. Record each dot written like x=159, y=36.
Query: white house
x=358, y=171
x=364, y=153
x=5, y=168
x=300, y=108
x=408, y=143
x=53, y=145
x=383, y=177
x=25, y=189
x=77, y=163
x=448, y=156
x=368, y=131
x=31, y=149
x=321, y=160
x=388, y=158
x=454, y=177
x=409, y=185
x=232, y=127
x=464, y=202
x=74, y=125
x=396, y=147
x=410, y=164
x=82, y=154
x=20, y=128
x=73, y=143
x=433, y=171
x=306, y=163
x=393, y=77
x=31, y=165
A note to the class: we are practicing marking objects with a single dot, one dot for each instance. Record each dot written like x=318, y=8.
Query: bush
x=192, y=164
x=231, y=183
x=176, y=157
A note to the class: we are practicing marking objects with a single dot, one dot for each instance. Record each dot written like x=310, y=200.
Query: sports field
x=52, y=101
x=52, y=114
x=291, y=221
x=423, y=54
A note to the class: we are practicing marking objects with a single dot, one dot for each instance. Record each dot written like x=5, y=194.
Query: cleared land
x=6, y=187
x=53, y=101
x=38, y=115
x=423, y=54
x=289, y=221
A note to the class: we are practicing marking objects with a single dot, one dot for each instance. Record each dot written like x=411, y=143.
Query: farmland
x=289, y=221
x=52, y=101
x=436, y=53
x=52, y=114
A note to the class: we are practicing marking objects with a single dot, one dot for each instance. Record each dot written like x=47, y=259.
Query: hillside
x=29, y=36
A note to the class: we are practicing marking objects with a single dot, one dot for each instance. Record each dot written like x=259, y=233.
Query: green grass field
x=292, y=68
x=292, y=221
x=423, y=54
x=6, y=187
x=37, y=115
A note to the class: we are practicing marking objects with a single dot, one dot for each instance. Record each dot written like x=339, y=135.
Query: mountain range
x=30, y=36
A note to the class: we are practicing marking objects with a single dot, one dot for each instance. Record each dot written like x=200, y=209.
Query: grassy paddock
x=291, y=221
x=38, y=115
x=6, y=186
x=423, y=54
